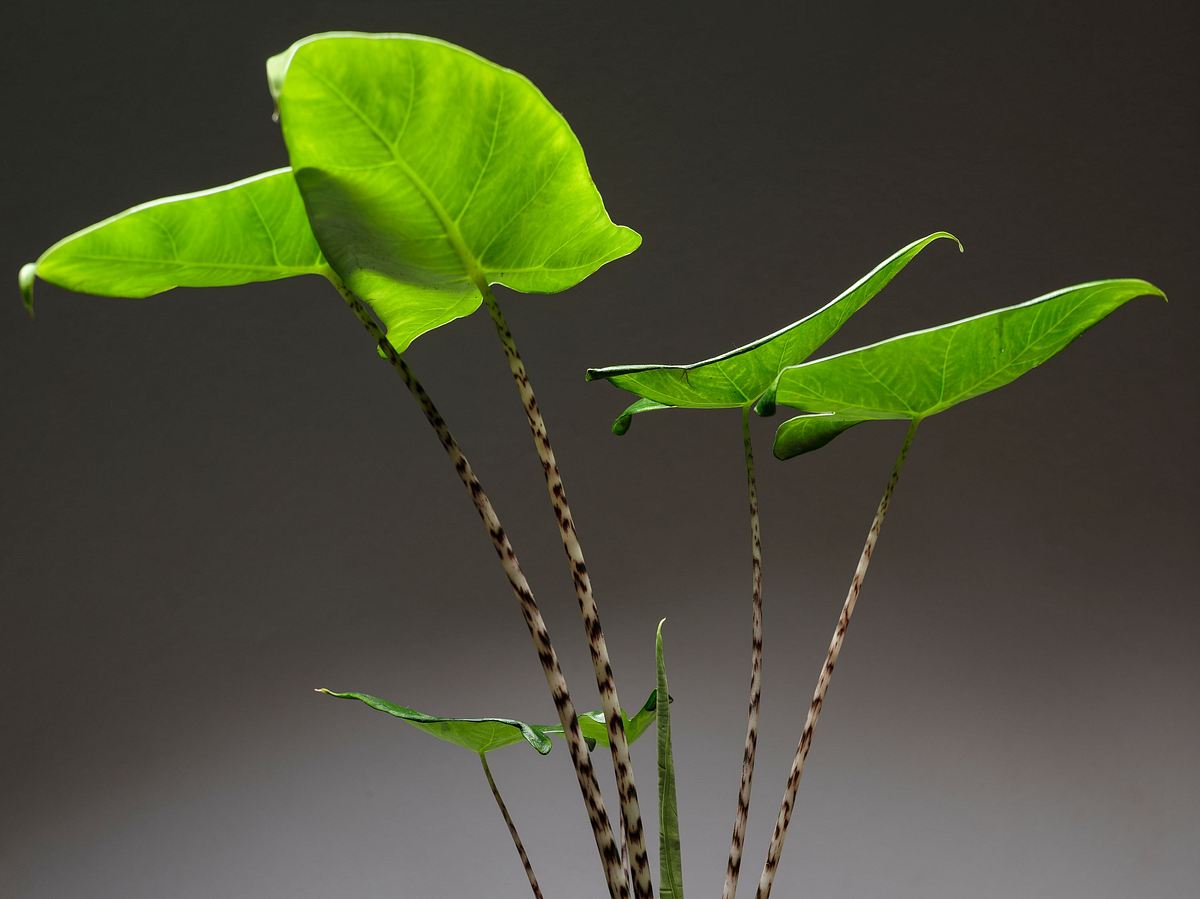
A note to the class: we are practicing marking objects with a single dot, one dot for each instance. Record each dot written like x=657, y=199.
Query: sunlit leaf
x=739, y=377
x=917, y=375
x=669, y=859
x=251, y=230
x=429, y=172
x=476, y=734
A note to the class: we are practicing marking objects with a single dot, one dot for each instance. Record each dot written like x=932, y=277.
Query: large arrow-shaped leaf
x=917, y=375
x=251, y=230
x=485, y=734
x=739, y=377
x=429, y=173
x=477, y=734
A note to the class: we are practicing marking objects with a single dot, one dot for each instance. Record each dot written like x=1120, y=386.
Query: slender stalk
x=512, y=828
x=625, y=848
x=639, y=861
x=835, y=647
x=733, y=867
x=610, y=854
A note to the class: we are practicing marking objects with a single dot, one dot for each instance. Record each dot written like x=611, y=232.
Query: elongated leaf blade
x=739, y=377
x=917, y=375
x=429, y=171
x=477, y=734
x=251, y=230
x=595, y=730
x=669, y=859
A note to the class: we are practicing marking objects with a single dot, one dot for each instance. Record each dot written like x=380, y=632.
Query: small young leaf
x=917, y=375
x=477, y=734
x=740, y=377
x=429, y=172
x=251, y=230
x=595, y=731
x=670, y=863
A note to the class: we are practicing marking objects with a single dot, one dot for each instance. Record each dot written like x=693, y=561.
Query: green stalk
x=512, y=828
x=835, y=647
x=610, y=854
x=639, y=861
x=733, y=867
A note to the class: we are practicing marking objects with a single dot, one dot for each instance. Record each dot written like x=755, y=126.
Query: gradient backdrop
x=214, y=502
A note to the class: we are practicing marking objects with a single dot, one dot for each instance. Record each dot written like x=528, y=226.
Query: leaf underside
x=477, y=734
x=914, y=376
x=429, y=172
x=740, y=377
x=250, y=230
x=482, y=735
x=669, y=858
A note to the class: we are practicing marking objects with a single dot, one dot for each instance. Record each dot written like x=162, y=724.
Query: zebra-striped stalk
x=639, y=861
x=512, y=828
x=734, y=865
x=610, y=854
x=835, y=647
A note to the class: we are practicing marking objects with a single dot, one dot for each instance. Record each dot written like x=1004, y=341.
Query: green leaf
x=477, y=734
x=251, y=230
x=740, y=377
x=430, y=173
x=916, y=375
x=670, y=863
x=595, y=731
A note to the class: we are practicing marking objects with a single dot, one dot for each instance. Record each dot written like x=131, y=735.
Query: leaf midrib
x=453, y=235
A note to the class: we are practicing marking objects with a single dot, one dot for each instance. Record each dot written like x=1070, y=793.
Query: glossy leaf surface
x=917, y=375
x=477, y=734
x=251, y=230
x=486, y=734
x=739, y=377
x=429, y=172
x=669, y=859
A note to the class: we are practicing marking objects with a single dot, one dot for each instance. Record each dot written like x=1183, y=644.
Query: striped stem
x=639, y=861
x=835, y=647
x=734, y=865
x=610, y=854
x=512, y=828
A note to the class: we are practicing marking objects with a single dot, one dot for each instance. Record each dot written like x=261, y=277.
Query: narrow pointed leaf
x=429, y=172
x=595, y=731
x=670, y=863
x=917, y=375
x=251, y=230
x=477, y=734
x=740, y=377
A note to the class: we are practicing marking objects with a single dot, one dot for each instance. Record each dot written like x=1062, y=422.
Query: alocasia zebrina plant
x=421, y=176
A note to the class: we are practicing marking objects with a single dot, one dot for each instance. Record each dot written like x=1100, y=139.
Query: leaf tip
x=621, y=423
x=1155, y=291
x=25, y=279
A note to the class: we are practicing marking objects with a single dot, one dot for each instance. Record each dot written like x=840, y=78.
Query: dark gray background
x=213, y=502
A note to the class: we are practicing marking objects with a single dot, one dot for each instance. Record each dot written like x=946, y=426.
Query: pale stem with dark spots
x=639, y=861
x=610, y=854
x=733, y=866
x=835, y=647
x=512, y=828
